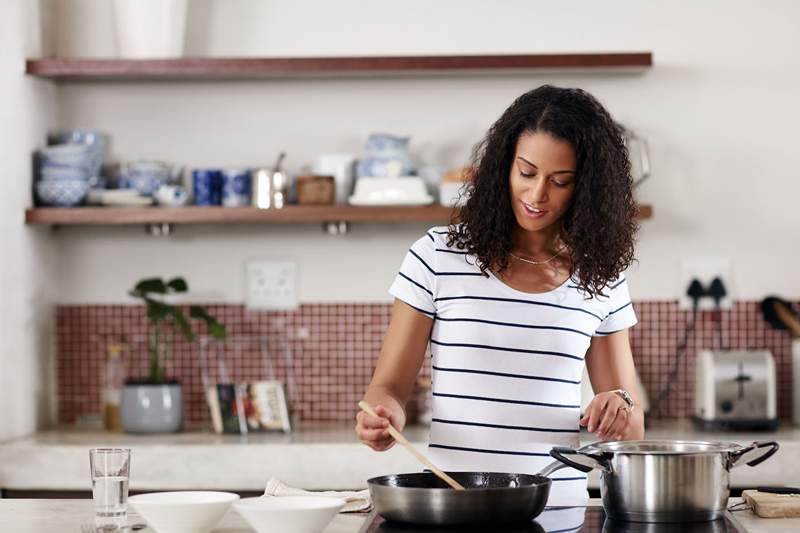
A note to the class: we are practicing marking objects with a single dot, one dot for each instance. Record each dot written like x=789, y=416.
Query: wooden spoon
x=367, y=408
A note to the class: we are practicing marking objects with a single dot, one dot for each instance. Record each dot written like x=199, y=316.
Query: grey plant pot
x=148, y=408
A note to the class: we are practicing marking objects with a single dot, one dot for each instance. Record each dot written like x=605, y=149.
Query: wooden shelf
x=293, y=214
x=225, y=215
x=263, y=67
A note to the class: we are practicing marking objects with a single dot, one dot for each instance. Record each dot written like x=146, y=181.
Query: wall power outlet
x=705, y=270
x=271, y=284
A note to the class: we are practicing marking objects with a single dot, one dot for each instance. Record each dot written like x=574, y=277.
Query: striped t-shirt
x=506, y=364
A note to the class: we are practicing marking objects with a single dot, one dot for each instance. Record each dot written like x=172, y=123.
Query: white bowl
x=288, y=514
x=183, y=512
x=404, y=190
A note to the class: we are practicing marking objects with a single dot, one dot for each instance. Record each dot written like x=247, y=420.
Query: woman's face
x=542, y=180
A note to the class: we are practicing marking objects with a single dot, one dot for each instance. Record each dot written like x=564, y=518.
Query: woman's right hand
x=373, y=431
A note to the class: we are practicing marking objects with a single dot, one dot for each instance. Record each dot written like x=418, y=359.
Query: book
x=244, y=407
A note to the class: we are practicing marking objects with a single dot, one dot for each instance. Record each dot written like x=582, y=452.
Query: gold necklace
x=536, y=262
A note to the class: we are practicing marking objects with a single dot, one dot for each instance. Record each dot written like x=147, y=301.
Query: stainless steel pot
x=490, y=498
x=664, y=480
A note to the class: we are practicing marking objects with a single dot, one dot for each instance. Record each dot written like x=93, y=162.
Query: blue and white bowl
x=65, y=155
x=96, y=143
x=50, y=173
x=62, y=193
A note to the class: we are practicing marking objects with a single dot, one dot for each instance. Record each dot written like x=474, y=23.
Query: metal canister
x=269, y=186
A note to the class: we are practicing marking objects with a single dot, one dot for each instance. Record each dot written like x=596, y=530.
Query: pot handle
x=772, y=445
x=585, y=462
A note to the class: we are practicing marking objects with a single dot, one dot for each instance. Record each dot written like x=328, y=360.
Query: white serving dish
x=288, y=514
x=403, y=190
x=183, y=512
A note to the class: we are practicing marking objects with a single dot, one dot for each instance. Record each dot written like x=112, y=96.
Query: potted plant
x=155, y=403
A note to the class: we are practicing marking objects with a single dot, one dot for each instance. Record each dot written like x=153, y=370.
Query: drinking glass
x=110, y=473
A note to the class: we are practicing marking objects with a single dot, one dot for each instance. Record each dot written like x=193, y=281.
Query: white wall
x=27, y=109
x=719, y=109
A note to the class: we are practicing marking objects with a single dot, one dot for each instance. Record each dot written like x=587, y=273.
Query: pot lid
x=662, y=447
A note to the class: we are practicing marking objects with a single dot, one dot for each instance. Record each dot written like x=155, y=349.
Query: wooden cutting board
x=768, y=505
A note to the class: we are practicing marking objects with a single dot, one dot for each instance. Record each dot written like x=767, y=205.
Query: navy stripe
x=478, y=450
x=514, y=300
x=567, y=479
x=503, y=400
x=513, y=325
x=503, y=374
x=617, y=284
x=442, y=232
x=499, y=426
x=416, y=283
x=422, y=261
x=450, y=251
x=443, y=273
x=607, y=332
x=620, y=308
x=505, y=349
x=430, y=237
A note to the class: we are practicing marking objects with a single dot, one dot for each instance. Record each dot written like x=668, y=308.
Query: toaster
x=735, y=389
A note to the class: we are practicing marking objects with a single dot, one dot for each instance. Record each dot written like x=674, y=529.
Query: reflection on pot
x=618, y=526
x=399, y=527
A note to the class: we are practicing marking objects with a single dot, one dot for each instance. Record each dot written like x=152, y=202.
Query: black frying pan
x=490, y=498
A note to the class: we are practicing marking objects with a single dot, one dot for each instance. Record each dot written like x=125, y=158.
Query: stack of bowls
x=64, y=172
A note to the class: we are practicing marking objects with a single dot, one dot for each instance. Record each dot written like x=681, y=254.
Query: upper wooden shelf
x=267, y=67
x=114, y=216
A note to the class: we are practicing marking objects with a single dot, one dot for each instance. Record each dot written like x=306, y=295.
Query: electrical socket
x=705, y=270
x=271, y=284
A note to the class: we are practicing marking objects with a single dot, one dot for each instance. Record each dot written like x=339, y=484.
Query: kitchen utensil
x=772, y=505
x=490, y=498
x=666, y=480
x=207, y=186
x=340, y=166
x=288, y=514
x=736, y=389
x=780, y=315
x=110, y=470
x=183, y=512
x=367, y=408
x=639, y=154
x=408, y=190
x=236, y=187
x=270, y=186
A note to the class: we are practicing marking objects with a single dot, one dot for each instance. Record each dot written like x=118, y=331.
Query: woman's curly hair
x=599, y=226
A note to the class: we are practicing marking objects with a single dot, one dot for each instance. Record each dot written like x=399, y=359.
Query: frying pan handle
x=585, y=462
x=737, y=455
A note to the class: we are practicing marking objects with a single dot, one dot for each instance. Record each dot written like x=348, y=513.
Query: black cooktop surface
x=558, y=520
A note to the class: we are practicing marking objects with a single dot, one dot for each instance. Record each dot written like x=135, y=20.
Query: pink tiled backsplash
x=326, y=353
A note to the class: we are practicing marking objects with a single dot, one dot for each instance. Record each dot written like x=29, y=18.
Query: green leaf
x=157, y=311
x=178, y=285
x=151, y=285
x=218, y=330
x=183, y=324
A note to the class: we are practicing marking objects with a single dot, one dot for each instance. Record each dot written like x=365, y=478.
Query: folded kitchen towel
x=356, y=501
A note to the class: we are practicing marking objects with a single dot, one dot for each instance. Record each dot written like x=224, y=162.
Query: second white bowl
x=288, y=514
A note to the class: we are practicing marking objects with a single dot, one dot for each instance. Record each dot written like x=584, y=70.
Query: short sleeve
x=620, y=313
x=415, y=283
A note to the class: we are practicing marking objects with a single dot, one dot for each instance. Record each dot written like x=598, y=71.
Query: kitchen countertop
x=57, y=516
x=319, y=456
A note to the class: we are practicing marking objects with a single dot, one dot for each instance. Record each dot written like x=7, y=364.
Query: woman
x=518, y=296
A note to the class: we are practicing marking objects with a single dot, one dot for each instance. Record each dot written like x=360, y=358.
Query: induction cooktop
x=559, y=520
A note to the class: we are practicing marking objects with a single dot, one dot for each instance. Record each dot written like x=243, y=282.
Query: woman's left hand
x=609, y=416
